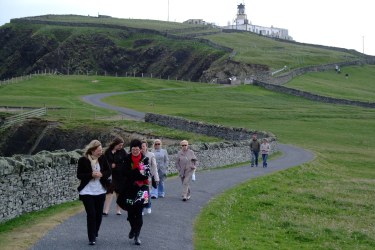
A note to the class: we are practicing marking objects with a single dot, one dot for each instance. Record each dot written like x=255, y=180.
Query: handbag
x=153, y=182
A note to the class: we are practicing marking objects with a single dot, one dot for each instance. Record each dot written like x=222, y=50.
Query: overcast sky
x=340, y=23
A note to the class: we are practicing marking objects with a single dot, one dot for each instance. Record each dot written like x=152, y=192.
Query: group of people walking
x=135, y=178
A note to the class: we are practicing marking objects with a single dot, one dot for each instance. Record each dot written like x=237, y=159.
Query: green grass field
x=359, y=85
x=324, y=204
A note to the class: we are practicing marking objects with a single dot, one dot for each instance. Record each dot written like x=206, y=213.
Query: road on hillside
x=170, y=225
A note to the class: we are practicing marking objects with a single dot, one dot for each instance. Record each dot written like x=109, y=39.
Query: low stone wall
x=31, y=183
x=227, y=133
x=312, y=96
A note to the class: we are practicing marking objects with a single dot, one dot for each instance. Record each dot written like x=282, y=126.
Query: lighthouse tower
x=241, y=15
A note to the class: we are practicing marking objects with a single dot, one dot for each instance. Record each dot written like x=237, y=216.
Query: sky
x=339, y=23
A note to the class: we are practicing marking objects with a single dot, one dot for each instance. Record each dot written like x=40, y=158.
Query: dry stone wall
x=31, y=183
x=227, y=133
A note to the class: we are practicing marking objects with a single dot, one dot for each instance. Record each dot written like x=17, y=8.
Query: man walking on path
x=254, y=148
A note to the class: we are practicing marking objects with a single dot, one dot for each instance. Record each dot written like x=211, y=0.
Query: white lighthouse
x=242, y=23
x=241, y=18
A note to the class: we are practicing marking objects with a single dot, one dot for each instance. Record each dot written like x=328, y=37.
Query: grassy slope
x=255, y=49
x=66, y=92
x=323, y=204
x=359, y=85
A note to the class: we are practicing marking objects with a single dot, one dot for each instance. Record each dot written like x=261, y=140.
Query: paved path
x=170, y=226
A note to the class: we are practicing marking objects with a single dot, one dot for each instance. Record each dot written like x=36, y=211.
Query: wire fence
x=23, y=116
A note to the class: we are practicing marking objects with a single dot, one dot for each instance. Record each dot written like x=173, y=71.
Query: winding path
x=170, y=226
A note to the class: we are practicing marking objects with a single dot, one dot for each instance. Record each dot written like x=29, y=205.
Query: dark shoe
x=131, y=234
x=184, y=199
x=92, y=243
x=137, y=241
x=105, y=214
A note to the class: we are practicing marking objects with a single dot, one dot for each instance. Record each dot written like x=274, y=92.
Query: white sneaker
x=148, y=210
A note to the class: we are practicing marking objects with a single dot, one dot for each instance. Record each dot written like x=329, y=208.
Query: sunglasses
x=184, y=145
x=157, y=144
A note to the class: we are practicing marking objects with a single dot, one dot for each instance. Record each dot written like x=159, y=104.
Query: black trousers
x=135, y=219
x=94, y=208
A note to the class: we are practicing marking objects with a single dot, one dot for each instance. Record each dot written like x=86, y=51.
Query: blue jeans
x=254, y=158
x=159, y=191
x=264, y=158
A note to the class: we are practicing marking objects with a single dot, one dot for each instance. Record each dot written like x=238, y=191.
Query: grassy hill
x=358, y=85
x=72, y=44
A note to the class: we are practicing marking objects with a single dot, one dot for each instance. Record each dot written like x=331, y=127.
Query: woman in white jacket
x=162, y=161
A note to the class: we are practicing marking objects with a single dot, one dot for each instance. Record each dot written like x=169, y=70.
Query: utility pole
x=363, y=44
x=168, y=10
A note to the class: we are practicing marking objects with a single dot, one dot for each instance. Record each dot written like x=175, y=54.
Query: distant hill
x=71, y=44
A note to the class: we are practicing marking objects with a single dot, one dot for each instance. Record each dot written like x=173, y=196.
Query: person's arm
x=82, y=173
x=194, y=160
x=154, y=169
x=177, y=162
x=105, y=168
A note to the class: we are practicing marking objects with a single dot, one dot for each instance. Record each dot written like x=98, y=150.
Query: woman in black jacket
x=93, y=171
x=115, y=155
x=134, y=195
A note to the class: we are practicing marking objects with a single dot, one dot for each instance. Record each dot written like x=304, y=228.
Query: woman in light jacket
x=93, y=171
x=162, y=161
x=186, y=163
x=153, y=169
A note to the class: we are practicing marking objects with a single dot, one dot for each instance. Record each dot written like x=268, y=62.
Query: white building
x=195, y=21
x=242, y=23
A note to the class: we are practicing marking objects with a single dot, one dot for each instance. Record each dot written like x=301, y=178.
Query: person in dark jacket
x=93, y=171
x=115, y=155
x=254, y=148
x=134, y=194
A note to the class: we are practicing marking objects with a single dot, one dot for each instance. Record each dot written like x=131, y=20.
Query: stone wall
x=227, y=133
x=31, y=183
